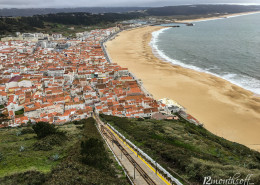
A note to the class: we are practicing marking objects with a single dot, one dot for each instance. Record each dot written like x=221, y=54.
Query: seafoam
x=243, y=81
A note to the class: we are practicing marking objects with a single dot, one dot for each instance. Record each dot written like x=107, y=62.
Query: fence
x=147, y=157
x=128, y=177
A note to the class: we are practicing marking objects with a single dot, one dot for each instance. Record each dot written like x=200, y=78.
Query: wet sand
x=225, y=109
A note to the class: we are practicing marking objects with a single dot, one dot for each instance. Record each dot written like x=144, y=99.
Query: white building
x=25, y=83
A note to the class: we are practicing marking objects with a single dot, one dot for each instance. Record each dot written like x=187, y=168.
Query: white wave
x=228, y=16
x=243, y=14
x=243, y=81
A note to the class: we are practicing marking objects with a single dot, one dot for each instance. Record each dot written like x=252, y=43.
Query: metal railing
x=125, y=171
x=147, y=157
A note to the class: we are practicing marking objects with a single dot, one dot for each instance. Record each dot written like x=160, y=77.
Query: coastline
x=216, y=17
x=225, y=109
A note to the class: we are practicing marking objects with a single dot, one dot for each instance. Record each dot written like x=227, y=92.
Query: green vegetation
x=91, y=147
x=3, y=118
x=61, y=22
x=71, y=23
x=50, y=157
x=19, y=112
x=186, y=10
x=2, y=106
x=43, y=129
x=17, y=160
x=76, y=170
x=189, y=150
x=70, y=30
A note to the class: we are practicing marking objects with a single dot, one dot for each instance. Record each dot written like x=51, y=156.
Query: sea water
x=227, y=47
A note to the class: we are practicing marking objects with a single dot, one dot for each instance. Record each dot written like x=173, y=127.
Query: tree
x=4, y=119
x=43, y=129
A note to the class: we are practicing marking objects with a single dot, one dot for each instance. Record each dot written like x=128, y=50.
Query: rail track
x=114, y=140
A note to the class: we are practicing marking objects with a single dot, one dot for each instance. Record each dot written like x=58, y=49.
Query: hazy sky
x=87, y=3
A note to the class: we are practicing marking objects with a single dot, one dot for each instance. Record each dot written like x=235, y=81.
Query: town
x=54, y=79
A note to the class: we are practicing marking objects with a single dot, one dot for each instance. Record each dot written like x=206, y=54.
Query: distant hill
x=48, y=19
x=41, y=11
x=10, y=25
x=200, y=10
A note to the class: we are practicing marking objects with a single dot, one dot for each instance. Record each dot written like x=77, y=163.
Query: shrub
x=26, y=178
x=1, y=157
x=94, y=153
x=255, y=179
x=48, y=142
x=42, y=145
x=27, y=131
x=19, y=112
x=80, y=127
x=43, y=129
x=80, y=122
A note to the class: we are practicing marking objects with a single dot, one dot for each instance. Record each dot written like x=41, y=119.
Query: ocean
x=228, y=48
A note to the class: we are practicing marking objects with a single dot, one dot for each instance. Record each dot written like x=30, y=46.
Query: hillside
x=189, y=152
x=14, y=12
x=79, y=157
x=53, y=22
x=189, y=10
x=61, y=20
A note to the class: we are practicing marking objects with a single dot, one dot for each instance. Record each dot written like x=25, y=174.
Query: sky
x=111, y=3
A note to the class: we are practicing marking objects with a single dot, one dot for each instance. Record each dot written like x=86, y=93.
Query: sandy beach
x=225, y=109
x=217, y=17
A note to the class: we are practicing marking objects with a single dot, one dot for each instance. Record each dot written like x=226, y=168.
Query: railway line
x=109, y=135
x=129, y=157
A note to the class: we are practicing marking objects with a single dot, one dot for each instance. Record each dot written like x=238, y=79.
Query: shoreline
x=160, y=55
x=224, y=108
x=216, y=17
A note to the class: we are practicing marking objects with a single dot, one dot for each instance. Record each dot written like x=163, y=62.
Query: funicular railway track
x=130, y=158
x=114, y=140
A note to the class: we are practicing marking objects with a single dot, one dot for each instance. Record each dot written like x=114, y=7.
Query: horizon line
x=242, y=4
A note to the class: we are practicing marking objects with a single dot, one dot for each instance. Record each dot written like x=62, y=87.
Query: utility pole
x=134, y=170
x=156, y=168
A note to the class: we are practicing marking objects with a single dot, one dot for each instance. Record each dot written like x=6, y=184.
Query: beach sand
x=217, y=17
x=225, y=109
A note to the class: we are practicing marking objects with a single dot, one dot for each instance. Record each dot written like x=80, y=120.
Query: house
x=75, y=105
x=3, y=97
x=171, y=105
x=13, y=82
x=14, y=106
x=24, y=83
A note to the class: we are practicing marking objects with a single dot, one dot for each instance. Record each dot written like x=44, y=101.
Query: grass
x=189, y=150
x=15, y=161
x=75, y=170
x=32, y=166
